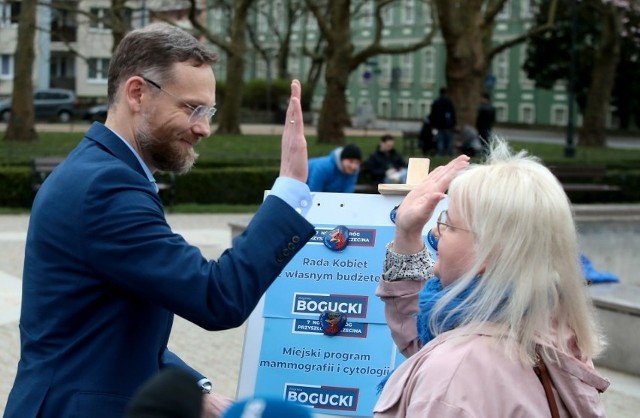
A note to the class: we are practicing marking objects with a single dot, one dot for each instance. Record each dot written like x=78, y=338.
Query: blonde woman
x=505, y=298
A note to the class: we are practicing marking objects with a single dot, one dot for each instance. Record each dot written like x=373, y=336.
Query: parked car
x=97, y=113
x=60, y=104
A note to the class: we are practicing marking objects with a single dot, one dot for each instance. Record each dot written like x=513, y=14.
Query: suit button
x=280, y=259
x=295, y=239
x=291, y=246
x=285, y=252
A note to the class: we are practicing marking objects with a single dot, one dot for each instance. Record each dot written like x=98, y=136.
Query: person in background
x=501, y=325
x=484, y=121
x=104, y=273
x=337, y=172
x=385, y=164
x=443, y=119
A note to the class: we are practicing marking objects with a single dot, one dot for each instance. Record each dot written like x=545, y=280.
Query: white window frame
x=502, y=111
x=6, y=62
x=526, y=9
x=366, y=18
x=505, y=13
x=101, y=68
x=523, y=110
x=408, y=12
x=385, y=64
x=406, y=66
x=6, y=16
x=387, y=15
x=429, y=64
x=555, y=112
x=501, y=68
x=100, y=26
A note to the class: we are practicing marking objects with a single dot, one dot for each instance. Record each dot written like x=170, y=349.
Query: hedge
x=246, y=185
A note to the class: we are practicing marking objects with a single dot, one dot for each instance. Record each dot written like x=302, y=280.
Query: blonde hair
x=530, y=280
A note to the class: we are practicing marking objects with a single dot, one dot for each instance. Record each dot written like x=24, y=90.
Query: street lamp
x=570, y=150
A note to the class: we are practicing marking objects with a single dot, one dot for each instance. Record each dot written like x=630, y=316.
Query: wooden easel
x=416, y=172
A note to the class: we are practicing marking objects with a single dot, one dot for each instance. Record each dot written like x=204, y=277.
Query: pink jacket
x=464, y=374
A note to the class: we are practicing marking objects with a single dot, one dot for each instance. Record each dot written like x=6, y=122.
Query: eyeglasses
x=442, y=224
x=198, y=112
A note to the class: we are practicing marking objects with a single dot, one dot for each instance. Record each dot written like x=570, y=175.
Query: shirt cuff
x=294, y=192
x=407, y=266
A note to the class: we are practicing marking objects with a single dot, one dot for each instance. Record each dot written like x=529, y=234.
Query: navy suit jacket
x=104, y=275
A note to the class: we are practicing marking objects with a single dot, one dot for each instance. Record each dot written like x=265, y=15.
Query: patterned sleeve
x=407, y=266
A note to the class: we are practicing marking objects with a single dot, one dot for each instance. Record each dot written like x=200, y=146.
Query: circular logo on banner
x=332, y=322
x=337, y=239
x=393, y=214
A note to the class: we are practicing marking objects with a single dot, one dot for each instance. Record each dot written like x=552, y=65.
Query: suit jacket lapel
x=114, y=145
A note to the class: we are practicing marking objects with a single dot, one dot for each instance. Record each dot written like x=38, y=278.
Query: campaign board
x=287, y=355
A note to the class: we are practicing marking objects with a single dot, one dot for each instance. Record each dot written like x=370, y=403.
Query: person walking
x=443, y=119
x=104, y=274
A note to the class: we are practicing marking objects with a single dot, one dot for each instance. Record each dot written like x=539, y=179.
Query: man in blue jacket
x=336, y=172
x=104, y=274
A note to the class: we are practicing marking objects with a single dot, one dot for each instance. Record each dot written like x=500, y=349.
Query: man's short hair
x=386, y=137
x=151, y=52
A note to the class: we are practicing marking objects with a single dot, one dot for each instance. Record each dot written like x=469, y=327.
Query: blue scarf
x=430, y=294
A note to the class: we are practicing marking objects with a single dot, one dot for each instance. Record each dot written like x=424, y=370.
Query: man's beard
x=167, y=154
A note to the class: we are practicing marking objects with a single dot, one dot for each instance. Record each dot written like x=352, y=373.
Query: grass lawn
x=265, y=150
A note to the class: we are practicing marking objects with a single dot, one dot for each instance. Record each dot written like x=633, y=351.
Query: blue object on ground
x=592, y=276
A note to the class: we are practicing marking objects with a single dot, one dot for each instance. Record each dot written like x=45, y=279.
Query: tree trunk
x=234, y=85
x=22, y=122
x=606, y=59
x=463, y=32
x=119, y=26
x=334, y=116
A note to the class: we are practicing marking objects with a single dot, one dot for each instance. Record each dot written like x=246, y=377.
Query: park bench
x=41, y=167
x=572, y=178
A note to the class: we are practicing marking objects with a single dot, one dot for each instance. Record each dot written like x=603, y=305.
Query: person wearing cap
x=337, y=172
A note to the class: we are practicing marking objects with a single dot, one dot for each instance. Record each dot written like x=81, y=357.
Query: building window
x=525, y=81
x=528, y=10
x=62, y=66
x=408, y=11
x=501, y=68
x=9, y=13
x=99, y=18
x=406, y=68
x=366, y=19
x=98, y=68
x=383, y=108
x=559, y=115
x=429, y=71
x=505, y=13
x=527, y=113
x=6, y=66
x=387, y=15
x=385, y=68
x=501, y=112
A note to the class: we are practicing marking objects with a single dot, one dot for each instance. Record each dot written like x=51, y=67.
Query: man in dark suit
x=443, y=119
x=104, y=273
x=484, y=121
